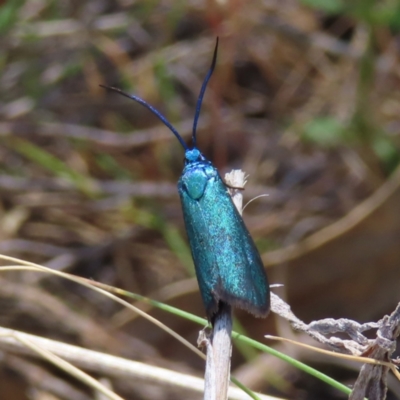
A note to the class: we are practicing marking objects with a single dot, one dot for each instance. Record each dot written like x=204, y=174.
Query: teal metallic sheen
x=228, y=265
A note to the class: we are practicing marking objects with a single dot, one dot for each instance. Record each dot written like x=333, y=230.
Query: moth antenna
x=153, y=110
x=202, y=91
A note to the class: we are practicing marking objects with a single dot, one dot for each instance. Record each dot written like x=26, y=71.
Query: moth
x=228, y=265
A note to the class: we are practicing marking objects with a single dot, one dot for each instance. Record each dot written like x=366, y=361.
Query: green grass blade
x=53, y=164
x=237, y=336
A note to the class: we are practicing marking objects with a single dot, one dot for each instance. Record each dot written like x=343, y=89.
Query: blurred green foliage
x=9, y=14
x=324, y=131
x=54, y=165
x=328, y=6
x=374, y=12
x=328, y=131
x=165, y=86
x=109, y=164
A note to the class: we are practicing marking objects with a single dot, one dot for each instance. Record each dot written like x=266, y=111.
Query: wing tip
x=257, y=310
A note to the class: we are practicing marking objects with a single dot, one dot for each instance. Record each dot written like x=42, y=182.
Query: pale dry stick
x=113, y=188
x=59, y=362
x=98, y=136
x=68, y=26
x=219, y=345
x=219, y=353
x=84, y=282
x=41, y=378
x=105, y=137
x=90, y=332
x=111, y=366
x=107, y=383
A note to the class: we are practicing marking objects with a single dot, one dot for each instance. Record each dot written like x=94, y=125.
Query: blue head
x=191, y=155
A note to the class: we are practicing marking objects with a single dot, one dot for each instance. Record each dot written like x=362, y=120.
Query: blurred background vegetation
x=305, y=98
